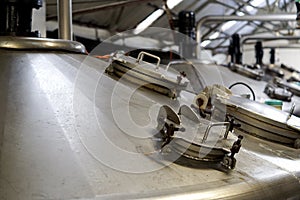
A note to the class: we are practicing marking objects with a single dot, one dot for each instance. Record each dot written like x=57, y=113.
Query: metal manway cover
x=262, y=116
x=150, y=72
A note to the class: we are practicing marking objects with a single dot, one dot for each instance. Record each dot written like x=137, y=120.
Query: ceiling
x=118, y=16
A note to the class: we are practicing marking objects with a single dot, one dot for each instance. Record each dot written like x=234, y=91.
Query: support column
x=64, y=13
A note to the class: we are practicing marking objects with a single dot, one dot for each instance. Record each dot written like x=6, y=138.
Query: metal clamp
x=229, y=162
x=141, y=56
x=231, y=126
x=168, y=133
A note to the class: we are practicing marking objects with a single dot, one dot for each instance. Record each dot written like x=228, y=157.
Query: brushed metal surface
x=52, y=146
x=45, y=44
x=64, y=14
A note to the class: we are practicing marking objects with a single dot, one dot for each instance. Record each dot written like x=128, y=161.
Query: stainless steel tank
x=65, y=134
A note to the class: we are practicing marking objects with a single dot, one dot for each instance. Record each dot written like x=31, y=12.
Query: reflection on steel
x=26, y=43
x=64, y=10
x=225, y=18
x=247, y=70
x=50, y=146
x=274, y=71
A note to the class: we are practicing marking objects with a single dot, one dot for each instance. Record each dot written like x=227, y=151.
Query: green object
x=274, y=103
x=297, y=83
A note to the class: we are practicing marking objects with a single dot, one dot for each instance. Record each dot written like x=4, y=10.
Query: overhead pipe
x=224, y=18
x=268, y=38
x=64, y=13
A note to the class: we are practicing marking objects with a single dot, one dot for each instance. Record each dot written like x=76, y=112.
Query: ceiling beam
x=102, y=7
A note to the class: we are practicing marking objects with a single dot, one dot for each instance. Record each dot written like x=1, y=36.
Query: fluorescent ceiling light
x=172, y=3
x=257, y=3
x=148, y=21
x=228, y=25
x=249, y=9
x=205, y=43
x=239, y=13
x=154, y=16
x=214, y=36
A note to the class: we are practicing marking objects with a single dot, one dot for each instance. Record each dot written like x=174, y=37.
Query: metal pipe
x=268, y=38
x=223, y=18
x=64, y=12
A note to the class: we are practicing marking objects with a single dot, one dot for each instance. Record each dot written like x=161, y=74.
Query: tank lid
x=28, y=43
